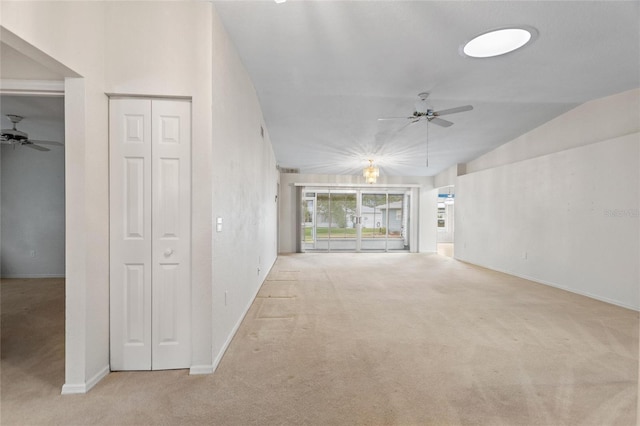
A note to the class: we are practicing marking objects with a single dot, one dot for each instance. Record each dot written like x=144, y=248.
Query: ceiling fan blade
x=407, y=125
x=453, y=110
x=396, y=118
x=45, y=142
x=37, y=147
x=441, y=122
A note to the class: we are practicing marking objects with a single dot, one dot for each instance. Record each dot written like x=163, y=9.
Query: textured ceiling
x=325, y=71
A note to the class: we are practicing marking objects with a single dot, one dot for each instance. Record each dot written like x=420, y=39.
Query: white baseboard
x=72, y=389
x=227, y=342
x=234, y=330
x=69, y=389
x=14, y=276
x=558, y=286
x=582, y=293
x=201, y=369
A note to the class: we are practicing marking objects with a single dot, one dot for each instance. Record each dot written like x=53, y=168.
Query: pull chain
x=427, y=142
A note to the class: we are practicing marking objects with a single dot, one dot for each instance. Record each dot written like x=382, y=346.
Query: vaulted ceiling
x=325, y=71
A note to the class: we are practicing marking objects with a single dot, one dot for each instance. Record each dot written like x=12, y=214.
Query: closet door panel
x=130, y=234
x=171, y=215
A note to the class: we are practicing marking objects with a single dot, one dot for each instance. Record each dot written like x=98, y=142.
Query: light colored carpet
x=354, y=339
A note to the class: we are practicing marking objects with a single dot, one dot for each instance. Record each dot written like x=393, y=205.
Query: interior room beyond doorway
x=446, y=215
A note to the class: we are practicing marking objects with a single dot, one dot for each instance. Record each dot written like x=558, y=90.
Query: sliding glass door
x=337, y=219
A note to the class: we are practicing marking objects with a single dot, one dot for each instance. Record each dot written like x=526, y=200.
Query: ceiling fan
x=423, y=112
x=16, y=137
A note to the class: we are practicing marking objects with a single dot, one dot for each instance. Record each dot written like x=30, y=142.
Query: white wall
x=32, y=212
x=428, y=225
x=567, y=218
x=448, y=177
x=164, y=49
x=591, y=122
x=288, y=206
x=245, y=182
x=32, y=188
x=80, y=51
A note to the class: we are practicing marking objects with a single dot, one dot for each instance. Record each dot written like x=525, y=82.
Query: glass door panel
x=323, y=217
x=342, y=233
x=397, y=222
x=308, y=222
x=374, y=227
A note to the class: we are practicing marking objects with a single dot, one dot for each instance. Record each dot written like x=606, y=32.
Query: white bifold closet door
x=150, y=234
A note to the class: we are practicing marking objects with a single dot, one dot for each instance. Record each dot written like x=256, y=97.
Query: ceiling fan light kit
x=498, y=42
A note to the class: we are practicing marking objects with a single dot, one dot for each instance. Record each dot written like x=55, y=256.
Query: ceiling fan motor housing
x=426, y=113
x=12, y=134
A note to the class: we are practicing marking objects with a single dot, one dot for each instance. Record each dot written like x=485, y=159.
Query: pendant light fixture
x=371, y=173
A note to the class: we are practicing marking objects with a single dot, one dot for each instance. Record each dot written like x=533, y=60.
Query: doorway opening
x=32, y=205
x=33, y=193
x=446, y=222
x=50, y=77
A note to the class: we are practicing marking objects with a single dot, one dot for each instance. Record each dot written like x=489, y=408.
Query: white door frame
x=150, y=217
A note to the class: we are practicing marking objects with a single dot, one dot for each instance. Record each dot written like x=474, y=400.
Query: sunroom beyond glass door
x=397, y=220
x=336, y=220
x=308, y=222
x=374, y=222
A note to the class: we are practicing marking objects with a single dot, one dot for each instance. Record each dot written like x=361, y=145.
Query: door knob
x=168, y=252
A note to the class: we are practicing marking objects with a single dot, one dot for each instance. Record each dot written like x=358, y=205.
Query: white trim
x=142, y=96
x=201, y=369
x=559, y=286
x=68, y=389
x=73, y=389
x=11, y=276
x=582, y=293
x=226, y=344
x=359, y=185
x=32, y=87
